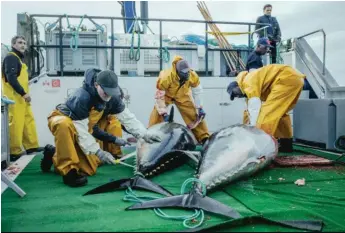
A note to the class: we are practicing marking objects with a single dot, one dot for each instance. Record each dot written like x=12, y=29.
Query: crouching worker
x=77, y=154
x=108, y=129
x=180, y=85
x=271, y=92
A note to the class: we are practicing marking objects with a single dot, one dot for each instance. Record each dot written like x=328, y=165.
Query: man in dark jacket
x=15, y=86
x=254, y=60
x=273, y=32
x=77, y=152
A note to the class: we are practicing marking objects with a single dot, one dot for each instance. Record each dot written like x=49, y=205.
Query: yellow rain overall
x=168, y=81
x=22, y=124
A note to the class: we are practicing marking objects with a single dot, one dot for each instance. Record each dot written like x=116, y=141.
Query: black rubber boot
x=33, y=150
x=47, y=161
x=73, y=179
x=285, y=145
x=14, y=158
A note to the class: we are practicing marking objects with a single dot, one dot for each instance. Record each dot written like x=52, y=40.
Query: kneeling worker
x=278, y=87
x=77, y=153
x=108, y=129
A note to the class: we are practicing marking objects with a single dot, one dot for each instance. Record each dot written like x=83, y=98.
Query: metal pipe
x=206, y=49
x=154, y=19
x=32, y=50
x=61, y=50
x=112, y=66
x=249, y=38
x=263, y=28
x=324, y=53
x=324, y=47
x=160, y=46
x=38, y=57
x=128, y=47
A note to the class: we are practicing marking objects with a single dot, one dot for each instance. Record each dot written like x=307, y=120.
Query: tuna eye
x=262, y=158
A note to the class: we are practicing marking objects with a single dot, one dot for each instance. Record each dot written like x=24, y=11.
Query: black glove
x=121, y=142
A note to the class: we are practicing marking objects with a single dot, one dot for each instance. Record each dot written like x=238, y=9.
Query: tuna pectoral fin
x=145, y=184
x=193, y=155
x=135, y=182
x=190, y=201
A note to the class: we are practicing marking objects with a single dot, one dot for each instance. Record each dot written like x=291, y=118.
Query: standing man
x=15, y=85
x=254, y=60
x=180, y=85
x=273, y=32
x=271, y=92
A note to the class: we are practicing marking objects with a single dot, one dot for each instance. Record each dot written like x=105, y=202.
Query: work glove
x=166, y=117
x=151, y=138
x=201, y=113
x=121, y=142
x=105, y=156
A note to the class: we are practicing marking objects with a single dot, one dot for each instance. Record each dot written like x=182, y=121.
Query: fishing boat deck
x=51, y=206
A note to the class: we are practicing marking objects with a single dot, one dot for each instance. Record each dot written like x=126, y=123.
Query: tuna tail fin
x=189, y=201
x=311, y=225
x=135, y=182
x=171, y=115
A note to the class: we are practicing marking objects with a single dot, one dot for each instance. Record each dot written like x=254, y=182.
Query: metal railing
x=112, y=47
x=324, y=47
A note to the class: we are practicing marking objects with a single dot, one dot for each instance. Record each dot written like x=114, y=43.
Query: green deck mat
x=52, y=206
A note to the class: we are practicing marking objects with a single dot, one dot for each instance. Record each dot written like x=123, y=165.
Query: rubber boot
x=33, y=150
x=47, y=161
x=73, y=179
x=285, y=145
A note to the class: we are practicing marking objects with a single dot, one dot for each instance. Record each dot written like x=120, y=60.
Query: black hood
x=89, y=81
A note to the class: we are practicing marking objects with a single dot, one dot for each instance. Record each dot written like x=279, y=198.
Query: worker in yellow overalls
x=271, y=92
x=15, y=86
x=180, y=85
x=77, y=154
x=108, y=129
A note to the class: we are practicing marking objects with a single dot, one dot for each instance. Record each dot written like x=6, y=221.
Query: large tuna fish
x=230, y=154
x=176, y=146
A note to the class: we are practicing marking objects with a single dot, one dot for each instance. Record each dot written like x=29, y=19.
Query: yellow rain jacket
x=186, y=98
x=272, y=91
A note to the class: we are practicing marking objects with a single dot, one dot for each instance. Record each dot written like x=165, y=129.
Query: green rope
x=133, y=197
x=135, y=57
x=165, y=54
x=280, y=60
x=74, y=42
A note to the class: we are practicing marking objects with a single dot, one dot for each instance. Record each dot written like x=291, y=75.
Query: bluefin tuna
x=176, y=147
x=230, y=154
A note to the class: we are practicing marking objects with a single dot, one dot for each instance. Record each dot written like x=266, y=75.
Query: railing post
x=206, y=49
x=61, y=50
x=33, y=71
x=249, y=39
x=160, y=47
x=324, y=53
x=112, y=66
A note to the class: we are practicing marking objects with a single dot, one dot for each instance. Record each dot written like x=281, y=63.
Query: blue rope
x=133, y=197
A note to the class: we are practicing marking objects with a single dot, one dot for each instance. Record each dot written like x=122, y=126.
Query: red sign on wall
x=55, y=82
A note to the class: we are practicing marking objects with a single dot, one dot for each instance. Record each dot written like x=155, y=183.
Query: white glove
x=197, y=96
x=254, y=106
x=151, y=138
x=105, y=156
